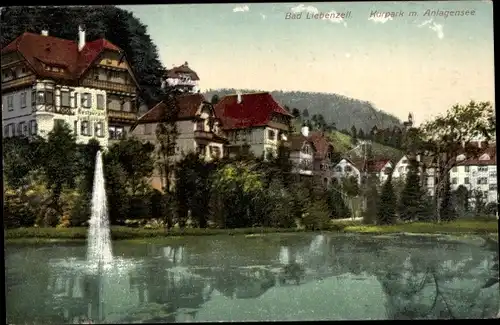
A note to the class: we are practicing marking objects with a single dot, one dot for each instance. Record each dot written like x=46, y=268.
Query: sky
x=412, y=62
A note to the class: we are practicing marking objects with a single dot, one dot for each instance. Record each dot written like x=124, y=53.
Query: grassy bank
x=39, y=235
x=455, y=227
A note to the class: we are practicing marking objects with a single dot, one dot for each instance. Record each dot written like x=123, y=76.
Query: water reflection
x=178, y=284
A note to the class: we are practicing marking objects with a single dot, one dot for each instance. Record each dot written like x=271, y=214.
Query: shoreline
x=121, y=233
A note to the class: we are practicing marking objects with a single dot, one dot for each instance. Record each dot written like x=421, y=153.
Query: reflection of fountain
x=174, y=254
x=99, y=238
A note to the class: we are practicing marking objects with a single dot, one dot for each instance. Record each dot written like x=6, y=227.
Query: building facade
x=197, y=126
x=182, y=78
x=48, y=80
x=477, y=175
x=253, y=123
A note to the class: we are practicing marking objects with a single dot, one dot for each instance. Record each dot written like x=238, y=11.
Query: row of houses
x=90, y=86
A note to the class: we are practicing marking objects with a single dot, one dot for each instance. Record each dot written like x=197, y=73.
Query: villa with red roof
x=253, y=122
x=311, y=153
x=87, y=84
x=199, y=130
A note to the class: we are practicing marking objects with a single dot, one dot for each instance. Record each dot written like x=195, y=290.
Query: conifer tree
x=411, y=199
x=386, y=213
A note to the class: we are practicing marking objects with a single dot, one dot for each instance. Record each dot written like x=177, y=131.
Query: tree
x=305, y=113
x=317, y=216
x=361, y=134
x=444, y=137
x=136, y=160
x=115, y=24
x=386, y=213
x=215, y=99
x=411, y=203
x=21, y=157
x=372, y=197
x=295, y=113
x=336, y=203
x=354, y=135
x=193, y=185
x=60, y=162
x=166, y=136
x=116, y=190
x=461, y=199
x=86, y=163
x=237, y=185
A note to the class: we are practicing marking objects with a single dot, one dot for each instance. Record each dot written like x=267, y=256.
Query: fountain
x=99, y=238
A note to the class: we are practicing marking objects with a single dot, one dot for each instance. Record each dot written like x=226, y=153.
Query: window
x=65, y=99
x=25, y=129
x=98, y=129
x=200, y=125
x=201, y=149
x=40, y=97
x=338, y=169
x=400, y=169
x=483, y=168
x=20, y=129
x=10, y=103
x=348, y=168
x=116, y=132
x=33, y=127
x=482, y=180
x=23, y=70
x=215, y=152
x=271, y=135
x=493, y=187
x=148, y=129
x=75, y=127
x=100, y=102
x=84, y=128
x=493, y=174
x=23, y=100
x=404, y=161
x=86, y=100
x=6, y=131
x=387, y=170
x=305, y=149
x=466, y=180
x=467, y=169
x=454, y=170
x=454, y=180
x=49, y=97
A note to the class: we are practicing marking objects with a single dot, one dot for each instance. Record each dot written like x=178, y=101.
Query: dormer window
x=484, y=157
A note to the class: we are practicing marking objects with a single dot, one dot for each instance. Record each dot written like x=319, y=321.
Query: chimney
x=305, y=130
x=238, y=99
x=185, y=64
x=81, y=38
x=45, y=32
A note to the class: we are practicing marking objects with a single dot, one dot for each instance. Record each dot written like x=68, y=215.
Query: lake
x=268, y=278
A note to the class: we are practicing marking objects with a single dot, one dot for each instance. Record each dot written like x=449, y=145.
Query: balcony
x=18, y=82
x=121, y=115
x=203, y=135
x=109, y=86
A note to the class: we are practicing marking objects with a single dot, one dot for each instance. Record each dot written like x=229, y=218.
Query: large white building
x=477, y=174
x=48, y=80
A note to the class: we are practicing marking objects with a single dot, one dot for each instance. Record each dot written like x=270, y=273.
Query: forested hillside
x=344, y=112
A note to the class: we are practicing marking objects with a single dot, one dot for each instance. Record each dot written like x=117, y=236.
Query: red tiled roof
x=378, y=166
x=321, y=143
x=255, y=109
x=188, y=106
x=183, y=69
x=490, y=151
x=37, y=49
